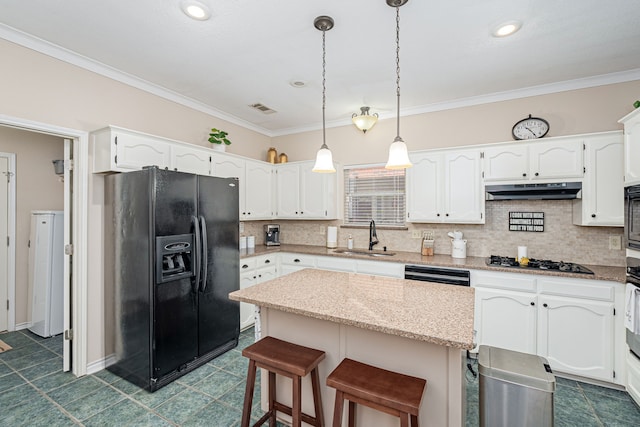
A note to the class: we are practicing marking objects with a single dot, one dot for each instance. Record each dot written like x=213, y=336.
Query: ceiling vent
x=263, y=108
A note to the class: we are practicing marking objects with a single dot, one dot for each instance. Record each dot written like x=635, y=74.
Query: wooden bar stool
x=293, y=361
x=387, y=391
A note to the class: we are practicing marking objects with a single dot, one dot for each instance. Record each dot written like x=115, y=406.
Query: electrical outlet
x=242, y=227
x=615, y=243
x=416, y=234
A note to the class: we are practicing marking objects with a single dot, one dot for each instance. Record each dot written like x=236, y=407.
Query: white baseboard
x=99, y=365
x=25, y=325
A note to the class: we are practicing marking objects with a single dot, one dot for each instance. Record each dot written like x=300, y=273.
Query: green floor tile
x=91, y=404
x=77, y=389
x=223, y=415
x=218, y=383
x=122, y=413
x=38, y=371
x=183, y=406
x=157, y=398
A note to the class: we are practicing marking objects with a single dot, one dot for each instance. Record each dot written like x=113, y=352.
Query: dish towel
x=632, y=299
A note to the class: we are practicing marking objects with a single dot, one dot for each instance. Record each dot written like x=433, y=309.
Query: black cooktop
x=538, y=264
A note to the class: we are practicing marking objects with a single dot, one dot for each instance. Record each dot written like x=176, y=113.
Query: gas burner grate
x=539, y=264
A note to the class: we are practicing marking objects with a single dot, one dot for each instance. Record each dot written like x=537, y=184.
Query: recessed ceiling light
x=196, y=10
x=297, y=83
x=506, y=29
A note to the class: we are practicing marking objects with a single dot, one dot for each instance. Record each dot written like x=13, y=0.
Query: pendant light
x=364, y=121
x=324, y=159
x=398, y=155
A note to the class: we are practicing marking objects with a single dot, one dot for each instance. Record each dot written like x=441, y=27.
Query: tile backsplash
x=560, y=240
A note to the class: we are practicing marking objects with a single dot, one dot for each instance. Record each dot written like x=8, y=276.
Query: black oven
x=632, y=216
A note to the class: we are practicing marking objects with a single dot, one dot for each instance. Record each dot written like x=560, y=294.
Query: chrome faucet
x=373, y=237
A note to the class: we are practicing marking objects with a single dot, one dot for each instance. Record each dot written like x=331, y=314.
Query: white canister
x=522, y=253
x=243, y=242
x=458, y=248
x=251, y=242
x=332, y=237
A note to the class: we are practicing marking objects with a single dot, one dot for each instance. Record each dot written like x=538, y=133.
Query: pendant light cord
x=324, y=98
x=398, y=70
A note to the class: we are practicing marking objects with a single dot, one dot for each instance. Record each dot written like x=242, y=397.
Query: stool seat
x=390, y=392
x=292, y=361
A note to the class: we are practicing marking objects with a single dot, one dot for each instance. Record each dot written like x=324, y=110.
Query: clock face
x=530, y=128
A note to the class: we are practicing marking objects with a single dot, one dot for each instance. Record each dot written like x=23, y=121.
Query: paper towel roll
x=332, y=237
x=522, y=252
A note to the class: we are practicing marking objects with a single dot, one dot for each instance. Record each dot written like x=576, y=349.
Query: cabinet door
x=191, y=160
x=258, y=190
x=556, y=159
x=510, y=163
x=247, y=279
x=229, y=167
x=288, y=191
x=602, y=195
x=506, y=319
x=576, y=336
x=464, y=193
x=424, y=188
x=632, y=150
x=313, y=192
x=265, y=274
x=136, y=151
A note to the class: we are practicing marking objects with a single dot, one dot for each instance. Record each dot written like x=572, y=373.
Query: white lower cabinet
x=252, y=272
x=290, y=263
x=570, y=322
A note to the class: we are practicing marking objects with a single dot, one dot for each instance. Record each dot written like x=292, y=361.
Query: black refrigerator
x=170, y=263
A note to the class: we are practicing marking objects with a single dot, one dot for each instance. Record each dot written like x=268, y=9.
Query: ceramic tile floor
x=35, y=392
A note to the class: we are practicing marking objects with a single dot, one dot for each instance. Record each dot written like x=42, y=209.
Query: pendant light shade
x=364, y=121
x=398, y=154
x=324, y=159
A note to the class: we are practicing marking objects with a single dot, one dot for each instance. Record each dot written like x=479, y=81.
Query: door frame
x=11, y=250
x=79, y=230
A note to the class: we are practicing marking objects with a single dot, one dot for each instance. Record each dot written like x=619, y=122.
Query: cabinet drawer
x=298, y=260
x=265, y=261
x=247, y=264
x=516, y=282
x=336, y=264
x=588, y=289
x=380, y=268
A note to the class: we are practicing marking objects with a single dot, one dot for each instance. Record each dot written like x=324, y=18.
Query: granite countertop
x=601, y=272
x=425, y=311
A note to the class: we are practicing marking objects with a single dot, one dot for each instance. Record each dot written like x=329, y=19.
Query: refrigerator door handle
x=205, y=253
x=196, y=256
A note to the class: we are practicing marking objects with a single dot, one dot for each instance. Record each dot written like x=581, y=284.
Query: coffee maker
x=272, y=234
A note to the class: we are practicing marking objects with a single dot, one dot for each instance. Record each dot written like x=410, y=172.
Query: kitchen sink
x=363, y=252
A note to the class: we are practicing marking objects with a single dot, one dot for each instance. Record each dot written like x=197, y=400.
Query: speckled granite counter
x=432, y=312
x=615, y=274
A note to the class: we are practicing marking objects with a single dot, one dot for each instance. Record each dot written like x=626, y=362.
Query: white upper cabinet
x=121, y=150
x=256, y=193
x=304, y=194
x=191, y=160
x=445, y=186
x=631, y=147
x=602, y=201
x=549, y=160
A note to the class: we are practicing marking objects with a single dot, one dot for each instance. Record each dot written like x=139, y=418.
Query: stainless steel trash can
x=516, y=389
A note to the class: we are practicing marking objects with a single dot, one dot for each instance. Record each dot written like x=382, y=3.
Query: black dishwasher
x=448, y=276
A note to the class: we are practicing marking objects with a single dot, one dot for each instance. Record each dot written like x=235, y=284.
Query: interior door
x=68, y=254
x=4, y=248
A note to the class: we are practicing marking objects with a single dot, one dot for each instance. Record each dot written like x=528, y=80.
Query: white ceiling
x=250, y=50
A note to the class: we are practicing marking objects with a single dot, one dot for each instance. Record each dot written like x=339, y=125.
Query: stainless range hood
x=550, y=191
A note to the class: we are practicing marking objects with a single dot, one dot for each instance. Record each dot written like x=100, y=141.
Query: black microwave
x=632, y=216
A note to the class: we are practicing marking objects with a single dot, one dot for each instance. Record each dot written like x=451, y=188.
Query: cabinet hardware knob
x=296, y=260
x=267, y=261
x=254, y=277
x=259, y=275
x=593, y=215
x=545, y=305
x=437, y=214
x=446, y=214
x=524, y=174
x=533, y=303
x=301, y=212
x=537, y=174
x=245, y=266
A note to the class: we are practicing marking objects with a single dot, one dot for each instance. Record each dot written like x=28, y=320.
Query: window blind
x=374, y=193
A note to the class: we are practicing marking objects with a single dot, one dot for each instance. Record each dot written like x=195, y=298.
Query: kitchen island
x=415, y=328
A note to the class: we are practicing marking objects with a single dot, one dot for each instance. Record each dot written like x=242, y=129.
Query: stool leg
x=352, y=414
x=404, y=419
x=248, y=394
x=414, y=421
x=337, y=409
x=296, y=410
x=272, y=398
x=317, y=397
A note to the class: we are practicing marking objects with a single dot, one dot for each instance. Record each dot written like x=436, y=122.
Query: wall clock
x=530, y=128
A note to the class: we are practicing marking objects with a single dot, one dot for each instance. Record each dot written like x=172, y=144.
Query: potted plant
x=219, y=139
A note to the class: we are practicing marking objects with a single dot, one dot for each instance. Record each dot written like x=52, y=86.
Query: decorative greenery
x=636, y=104
x=218, y=136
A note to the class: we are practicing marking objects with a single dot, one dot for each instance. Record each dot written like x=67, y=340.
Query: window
x=374, y=192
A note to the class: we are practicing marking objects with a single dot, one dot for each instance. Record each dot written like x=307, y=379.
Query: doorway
x=75, y=182
x=7, y=227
